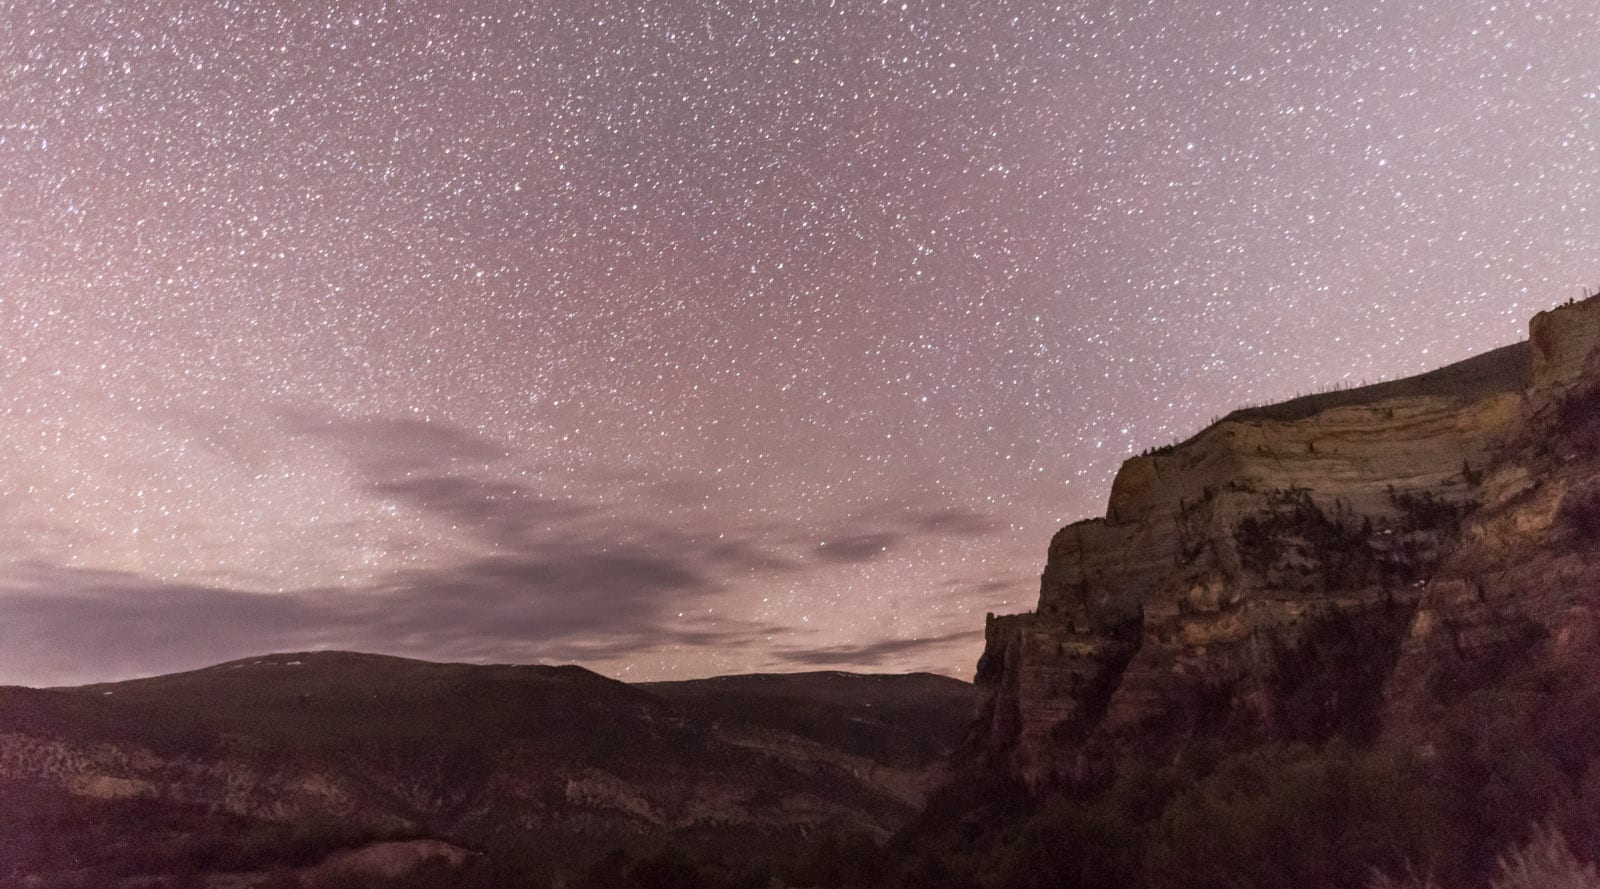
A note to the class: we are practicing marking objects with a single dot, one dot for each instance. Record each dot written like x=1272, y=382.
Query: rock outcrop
x=1313, y=567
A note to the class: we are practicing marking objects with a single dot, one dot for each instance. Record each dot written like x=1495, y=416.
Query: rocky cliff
x=1327, y=565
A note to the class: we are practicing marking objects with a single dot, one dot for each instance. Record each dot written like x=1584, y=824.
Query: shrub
x=1329, y=682
x=1381, y=880
x=1291, y=816
x=1070, y=844
x=1577, y=415
x=670, y=868
x=1546, y=862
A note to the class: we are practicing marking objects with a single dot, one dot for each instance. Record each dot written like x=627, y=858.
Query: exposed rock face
x=1263, y=578
x=1521, y=591
x=1563, y=341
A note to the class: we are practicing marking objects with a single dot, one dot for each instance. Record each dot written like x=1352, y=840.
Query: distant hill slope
x=893, y=717
x=557, y=758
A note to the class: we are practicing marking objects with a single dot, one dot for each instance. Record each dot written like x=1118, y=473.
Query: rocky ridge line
x=1309, y=569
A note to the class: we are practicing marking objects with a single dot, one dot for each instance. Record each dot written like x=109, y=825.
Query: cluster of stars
x=824, y=314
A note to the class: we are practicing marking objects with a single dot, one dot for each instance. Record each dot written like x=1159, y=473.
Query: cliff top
x=1506, y=369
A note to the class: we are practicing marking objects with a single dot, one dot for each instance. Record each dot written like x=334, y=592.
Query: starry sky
x=682, y=337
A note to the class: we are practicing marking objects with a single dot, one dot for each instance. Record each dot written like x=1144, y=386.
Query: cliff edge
x=1334, y=565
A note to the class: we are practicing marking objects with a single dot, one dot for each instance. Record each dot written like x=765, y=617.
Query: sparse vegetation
x=1411, y=880
x=1426, y=511
x=1575, y=423
x=1546, y=862
x=1296, y=544
x=1328, y=683
x=428, y=746
x=46, y=830
x=1290, y=816
x=1507, y=369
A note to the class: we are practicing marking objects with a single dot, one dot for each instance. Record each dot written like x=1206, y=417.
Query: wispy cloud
x=389, y=447
x=872, y=653
x=532, y=575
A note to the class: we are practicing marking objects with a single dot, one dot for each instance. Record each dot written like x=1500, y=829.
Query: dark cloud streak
x=388, y=447
x=611, y=605
x=873, y=653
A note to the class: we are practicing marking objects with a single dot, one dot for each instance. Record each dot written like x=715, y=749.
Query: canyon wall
x=1300, y=570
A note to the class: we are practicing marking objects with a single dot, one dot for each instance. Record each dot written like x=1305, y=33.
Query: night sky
x=681, y=338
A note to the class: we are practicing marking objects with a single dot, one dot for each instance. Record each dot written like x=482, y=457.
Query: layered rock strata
x=1291, y=570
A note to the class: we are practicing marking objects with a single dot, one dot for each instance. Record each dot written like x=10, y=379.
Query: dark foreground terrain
x=315, y=767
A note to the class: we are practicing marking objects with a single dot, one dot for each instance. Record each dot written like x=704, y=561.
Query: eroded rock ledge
x=1304, y=568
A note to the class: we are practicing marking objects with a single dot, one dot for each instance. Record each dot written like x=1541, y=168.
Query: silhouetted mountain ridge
x=567, y=760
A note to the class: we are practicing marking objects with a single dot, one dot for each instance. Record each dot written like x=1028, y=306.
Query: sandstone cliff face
x=1563, y=341
x=1298, y=569
x=1521, y=590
